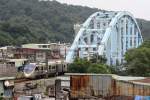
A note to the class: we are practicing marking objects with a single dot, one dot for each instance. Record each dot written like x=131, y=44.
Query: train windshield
x=29, y=68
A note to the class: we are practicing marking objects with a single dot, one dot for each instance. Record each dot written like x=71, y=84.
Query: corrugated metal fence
x=105, y=87
x=7, y=70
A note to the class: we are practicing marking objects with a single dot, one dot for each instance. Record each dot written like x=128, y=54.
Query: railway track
x=22, y=80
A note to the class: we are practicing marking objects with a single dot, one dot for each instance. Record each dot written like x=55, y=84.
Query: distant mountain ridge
x=24, y=21
x=145, y=28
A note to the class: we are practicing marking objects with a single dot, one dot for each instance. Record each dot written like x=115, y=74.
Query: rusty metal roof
x=90, y=74
x=6, y=78
x=136, y=80
x=145, y=80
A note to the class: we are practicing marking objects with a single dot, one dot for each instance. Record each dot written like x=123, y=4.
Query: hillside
x=24, y=21
x=145, y=28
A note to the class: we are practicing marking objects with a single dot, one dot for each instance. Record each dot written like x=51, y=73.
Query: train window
x=44, y=46
x=49, y=68
x=53, y=67
x=36, y=69
x=42, y=68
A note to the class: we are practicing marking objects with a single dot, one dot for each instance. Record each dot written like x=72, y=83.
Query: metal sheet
x=106, y=87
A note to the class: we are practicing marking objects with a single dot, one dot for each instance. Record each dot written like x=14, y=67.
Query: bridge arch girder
x=100, y=32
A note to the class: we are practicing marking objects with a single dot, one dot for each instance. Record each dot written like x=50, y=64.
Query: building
x=55, y=47
x=77, y=28
x=33, y=55
x=108, y=34
x=35, y=52
x=6, y=52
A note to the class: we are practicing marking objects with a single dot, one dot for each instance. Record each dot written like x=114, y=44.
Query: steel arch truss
x=106, y=33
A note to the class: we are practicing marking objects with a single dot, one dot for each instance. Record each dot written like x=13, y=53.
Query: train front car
x=43, y=70
x=29, y=70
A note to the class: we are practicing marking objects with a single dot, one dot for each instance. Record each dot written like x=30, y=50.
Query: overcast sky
x=139, y=8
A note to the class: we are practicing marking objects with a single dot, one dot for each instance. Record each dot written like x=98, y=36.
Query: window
x=79, y=49
x=36, y=69
x=40, y=46
x=49, y=46
x=86, y=49
x=50, y=67
x=94, y=49
x=44, y=46
x=53, y=67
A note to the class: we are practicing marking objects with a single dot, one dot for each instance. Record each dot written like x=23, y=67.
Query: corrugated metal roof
x=145, y=80
x=88, y=74
x=127, y=78
x=6, y=78
x=17, y=60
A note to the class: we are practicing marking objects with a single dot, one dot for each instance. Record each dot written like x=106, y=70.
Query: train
x=40, y=70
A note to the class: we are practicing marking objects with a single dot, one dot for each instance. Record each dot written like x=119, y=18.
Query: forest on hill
x=24, y=21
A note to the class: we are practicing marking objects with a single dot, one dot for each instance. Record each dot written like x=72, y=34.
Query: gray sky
x=139, y=8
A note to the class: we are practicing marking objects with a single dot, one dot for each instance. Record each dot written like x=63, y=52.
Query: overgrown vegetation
x=25, y=21
x=95, y=65
x=138, y=60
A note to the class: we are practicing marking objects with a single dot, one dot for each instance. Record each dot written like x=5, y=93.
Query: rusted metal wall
x=131, y=89
x=94, y=86
x=105, y=87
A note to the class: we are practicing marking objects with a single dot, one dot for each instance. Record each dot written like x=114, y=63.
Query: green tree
x=138, y=60
x=79, y=66
x=99, y=68
x=98, y=59
x=25, y=21
x=146, y=44
x=85, y=66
